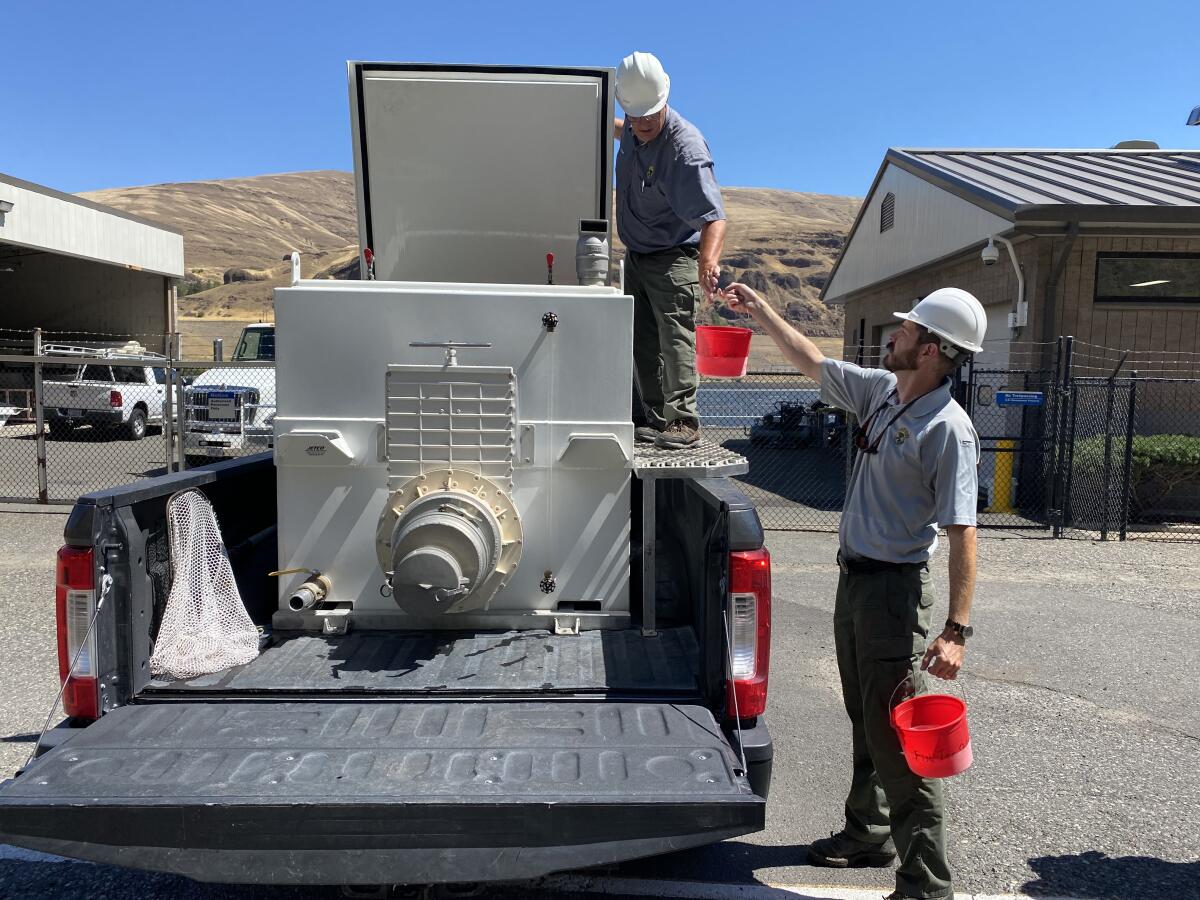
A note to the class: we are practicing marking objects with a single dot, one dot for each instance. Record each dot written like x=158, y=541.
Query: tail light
x=75, y=604
x=749, y=632
x=114, y=398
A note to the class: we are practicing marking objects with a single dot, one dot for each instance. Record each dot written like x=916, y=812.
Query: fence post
x=1108, y=436
x=1126, y=486
x=169, y=406
x=181, y=405
x=1062, y=388
x=1072, y=393
x=39, y=417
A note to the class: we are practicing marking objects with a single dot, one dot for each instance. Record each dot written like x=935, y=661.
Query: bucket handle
x=909, y=678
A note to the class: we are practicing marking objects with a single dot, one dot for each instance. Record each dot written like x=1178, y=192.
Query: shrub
x=1160, y=464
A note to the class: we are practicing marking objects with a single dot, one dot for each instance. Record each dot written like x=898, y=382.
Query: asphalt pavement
x=1084, y=713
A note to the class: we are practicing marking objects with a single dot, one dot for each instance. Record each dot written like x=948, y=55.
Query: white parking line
x=700, y=890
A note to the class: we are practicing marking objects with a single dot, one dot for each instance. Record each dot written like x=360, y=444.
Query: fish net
x=205, y=627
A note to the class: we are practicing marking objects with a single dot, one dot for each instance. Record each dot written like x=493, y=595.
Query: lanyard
x=873, y=447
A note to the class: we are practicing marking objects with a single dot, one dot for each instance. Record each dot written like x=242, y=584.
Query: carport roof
x=50, y=221
x=80, y=201
x=1051, y=185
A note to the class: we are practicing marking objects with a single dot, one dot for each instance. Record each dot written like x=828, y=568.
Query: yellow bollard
x=1002, y=478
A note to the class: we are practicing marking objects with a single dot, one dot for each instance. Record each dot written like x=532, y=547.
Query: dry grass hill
x=237, y=231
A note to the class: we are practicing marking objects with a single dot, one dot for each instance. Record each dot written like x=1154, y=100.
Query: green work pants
x=881, y=623
x=665, y=287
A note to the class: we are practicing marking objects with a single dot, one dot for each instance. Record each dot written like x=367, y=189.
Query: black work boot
x=840, y=851
x=679, y=435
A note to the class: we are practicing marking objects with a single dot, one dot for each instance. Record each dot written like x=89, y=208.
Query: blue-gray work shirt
x=666, y=189
x=925, y=474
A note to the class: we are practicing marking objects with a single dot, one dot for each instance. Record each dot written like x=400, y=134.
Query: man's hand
x=710, y=278
x=743, y=299
x=945, y=655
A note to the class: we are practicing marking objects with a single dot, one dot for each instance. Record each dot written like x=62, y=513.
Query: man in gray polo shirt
x=916, y=470
x=670, y=217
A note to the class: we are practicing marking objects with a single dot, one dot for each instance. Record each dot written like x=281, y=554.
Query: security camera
x=6, y=206
x=990, y=254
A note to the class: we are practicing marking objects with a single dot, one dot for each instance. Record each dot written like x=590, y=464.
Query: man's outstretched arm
x=797, y=349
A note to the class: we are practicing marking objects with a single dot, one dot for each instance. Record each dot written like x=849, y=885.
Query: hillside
x=238, y=230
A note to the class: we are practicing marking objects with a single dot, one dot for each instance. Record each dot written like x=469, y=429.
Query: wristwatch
x=963, y=631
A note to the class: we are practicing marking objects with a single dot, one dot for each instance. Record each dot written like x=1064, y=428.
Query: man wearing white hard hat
x=672, y=222
x=916, y=470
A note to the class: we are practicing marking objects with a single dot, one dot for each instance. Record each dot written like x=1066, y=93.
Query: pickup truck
x=115, y=392
x=397, y=757
x=485, y=718
x=230, y=410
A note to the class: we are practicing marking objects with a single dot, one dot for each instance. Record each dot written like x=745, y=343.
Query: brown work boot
x=840, y=851
x=646, y=434
x=679, y=435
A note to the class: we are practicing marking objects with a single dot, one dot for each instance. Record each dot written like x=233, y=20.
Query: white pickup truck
x=231, y=410
x=115, y=391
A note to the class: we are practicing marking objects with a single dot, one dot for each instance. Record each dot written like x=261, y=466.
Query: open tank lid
x=476, y=173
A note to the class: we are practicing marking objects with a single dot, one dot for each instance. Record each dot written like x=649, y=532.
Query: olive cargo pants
x=881, y=623
x=665, y=287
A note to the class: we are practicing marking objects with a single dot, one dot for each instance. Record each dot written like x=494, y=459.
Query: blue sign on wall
x=1019, y=398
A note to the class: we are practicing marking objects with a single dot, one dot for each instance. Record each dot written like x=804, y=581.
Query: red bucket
x=933, y=734
x=722, y=351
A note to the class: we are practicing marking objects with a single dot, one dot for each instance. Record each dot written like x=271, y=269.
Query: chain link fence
x=1076, y=440
x=83, y=412
x=1064, y=450
x=799, y=450
x=1134, y=458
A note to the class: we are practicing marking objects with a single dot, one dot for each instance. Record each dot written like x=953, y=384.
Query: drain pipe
x=313, y=592
x=1020, y=314
x=1052, y=284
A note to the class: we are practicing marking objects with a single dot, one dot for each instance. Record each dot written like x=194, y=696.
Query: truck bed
x=603, y=662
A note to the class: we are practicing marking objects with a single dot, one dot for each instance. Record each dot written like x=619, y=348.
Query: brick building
x=1107, y=245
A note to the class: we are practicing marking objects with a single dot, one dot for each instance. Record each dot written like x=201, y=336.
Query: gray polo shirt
x=925, y=474
x=666, y=189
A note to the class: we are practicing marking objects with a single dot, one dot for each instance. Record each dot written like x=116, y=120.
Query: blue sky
x=803, y=96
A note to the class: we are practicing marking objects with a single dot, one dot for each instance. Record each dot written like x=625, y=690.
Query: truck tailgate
x=81, y=395
x=407, y=792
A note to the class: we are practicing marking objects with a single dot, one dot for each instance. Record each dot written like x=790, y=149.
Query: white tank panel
x=570, y=447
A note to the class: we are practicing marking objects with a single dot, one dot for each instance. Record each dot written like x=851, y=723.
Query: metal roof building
x=1100, y=244
x=73, y=267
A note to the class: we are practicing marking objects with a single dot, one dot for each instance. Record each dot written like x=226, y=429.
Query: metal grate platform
x=705, y=460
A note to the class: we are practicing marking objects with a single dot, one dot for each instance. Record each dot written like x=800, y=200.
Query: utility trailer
x=504, y=641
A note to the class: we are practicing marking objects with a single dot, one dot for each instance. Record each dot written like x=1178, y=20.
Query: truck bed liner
x=402, y=661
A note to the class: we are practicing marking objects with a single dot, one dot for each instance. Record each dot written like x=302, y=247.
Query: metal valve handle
x=452, y=348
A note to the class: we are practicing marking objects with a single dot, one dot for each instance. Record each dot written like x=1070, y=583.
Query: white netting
x=205, y=627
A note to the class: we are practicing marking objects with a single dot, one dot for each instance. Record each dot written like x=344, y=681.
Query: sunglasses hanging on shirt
x=864, y=430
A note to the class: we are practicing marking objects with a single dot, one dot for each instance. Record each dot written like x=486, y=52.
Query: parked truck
x=230, y=411
x=118, y=391
x=501, y=641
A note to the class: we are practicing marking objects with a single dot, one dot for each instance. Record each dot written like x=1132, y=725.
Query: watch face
x=966, y=631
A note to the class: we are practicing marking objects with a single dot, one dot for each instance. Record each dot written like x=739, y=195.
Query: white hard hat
x=642, y=85
x=955, y=316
